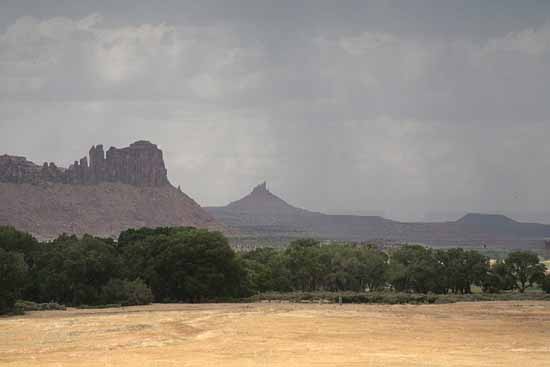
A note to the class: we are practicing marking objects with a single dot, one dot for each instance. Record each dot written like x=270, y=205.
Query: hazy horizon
x=412, y=110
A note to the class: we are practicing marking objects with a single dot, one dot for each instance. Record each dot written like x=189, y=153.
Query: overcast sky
x=416, y=110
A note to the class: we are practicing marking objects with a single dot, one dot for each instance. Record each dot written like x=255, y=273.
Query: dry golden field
x=279, y=334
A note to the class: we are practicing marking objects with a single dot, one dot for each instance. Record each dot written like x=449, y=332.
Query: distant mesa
x=140, y=164
x=263, y=215
x=486, y=219
x=102, y=194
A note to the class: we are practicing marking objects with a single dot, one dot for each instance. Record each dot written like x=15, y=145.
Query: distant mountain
x=124, y=188
x=487, y=220
x=259, y=208
x=262, y=214
x=262, y=201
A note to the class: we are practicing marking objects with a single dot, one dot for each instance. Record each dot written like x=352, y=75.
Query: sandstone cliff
x=110, y=192
x=140, y=164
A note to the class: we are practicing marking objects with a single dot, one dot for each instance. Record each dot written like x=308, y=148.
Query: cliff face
x=140, y=164
x=110, y=192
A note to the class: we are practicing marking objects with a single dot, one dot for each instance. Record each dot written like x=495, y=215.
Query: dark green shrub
x=99, y=307
x=546, y=283
x=13, y=274
x=33, y=306
x=127, y=293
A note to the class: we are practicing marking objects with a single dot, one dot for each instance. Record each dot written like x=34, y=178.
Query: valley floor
x=282, y=334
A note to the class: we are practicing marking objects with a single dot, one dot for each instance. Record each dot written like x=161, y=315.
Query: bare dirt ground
x=275, y=334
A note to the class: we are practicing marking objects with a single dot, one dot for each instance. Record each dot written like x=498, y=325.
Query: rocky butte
x=140, y=164
x=100, y=195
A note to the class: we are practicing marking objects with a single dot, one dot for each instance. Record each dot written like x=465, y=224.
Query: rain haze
x=414, y=110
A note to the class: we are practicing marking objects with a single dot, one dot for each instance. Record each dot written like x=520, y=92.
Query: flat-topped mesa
x=140, y=164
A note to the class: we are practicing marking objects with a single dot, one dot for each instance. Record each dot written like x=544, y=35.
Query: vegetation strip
x=196, y=265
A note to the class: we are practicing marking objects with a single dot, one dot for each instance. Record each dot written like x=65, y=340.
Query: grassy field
x=282, y=334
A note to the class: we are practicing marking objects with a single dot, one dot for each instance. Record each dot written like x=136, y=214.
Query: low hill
x=262, y=214
x=124, y=188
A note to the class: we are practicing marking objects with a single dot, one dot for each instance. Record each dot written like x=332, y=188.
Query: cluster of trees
x=193, y=265
x=164, y=264
x=306, y=265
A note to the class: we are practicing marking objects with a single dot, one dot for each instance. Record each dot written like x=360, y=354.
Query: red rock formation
x=140, y=164
x=18, y=170
x=98, y=166
x=125, y=188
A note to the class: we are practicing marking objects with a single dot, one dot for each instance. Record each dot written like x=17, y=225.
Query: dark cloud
x=410, y=108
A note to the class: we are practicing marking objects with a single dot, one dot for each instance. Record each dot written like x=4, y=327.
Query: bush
x=127, y=293
x=388, y=297
x=99, y=307
x=546, y=283
x=33, y=306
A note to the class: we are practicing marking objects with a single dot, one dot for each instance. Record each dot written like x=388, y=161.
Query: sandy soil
x=470, y=334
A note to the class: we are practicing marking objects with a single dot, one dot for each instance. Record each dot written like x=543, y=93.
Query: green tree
x=303, y=264
x=73, y=271
x=352, y=267
x=258, y=276
x=184, y=264
x=132, y=236
x=13, y=272
x=460, y=269
x=415, y=268
x=16, y=241
x=274, y=275
x=340, y=268
x=373, y=268
x=525, y=268
x=498, y=278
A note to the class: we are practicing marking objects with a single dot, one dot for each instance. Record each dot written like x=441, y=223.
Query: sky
x=415, y=110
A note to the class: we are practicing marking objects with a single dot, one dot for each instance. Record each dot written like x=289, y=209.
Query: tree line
x=195, y=265
x=308, y=266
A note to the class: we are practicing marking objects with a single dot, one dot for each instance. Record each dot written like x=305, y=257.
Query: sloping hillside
x=127, y=188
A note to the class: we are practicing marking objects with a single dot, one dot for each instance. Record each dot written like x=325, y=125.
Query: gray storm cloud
x=415, y=112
